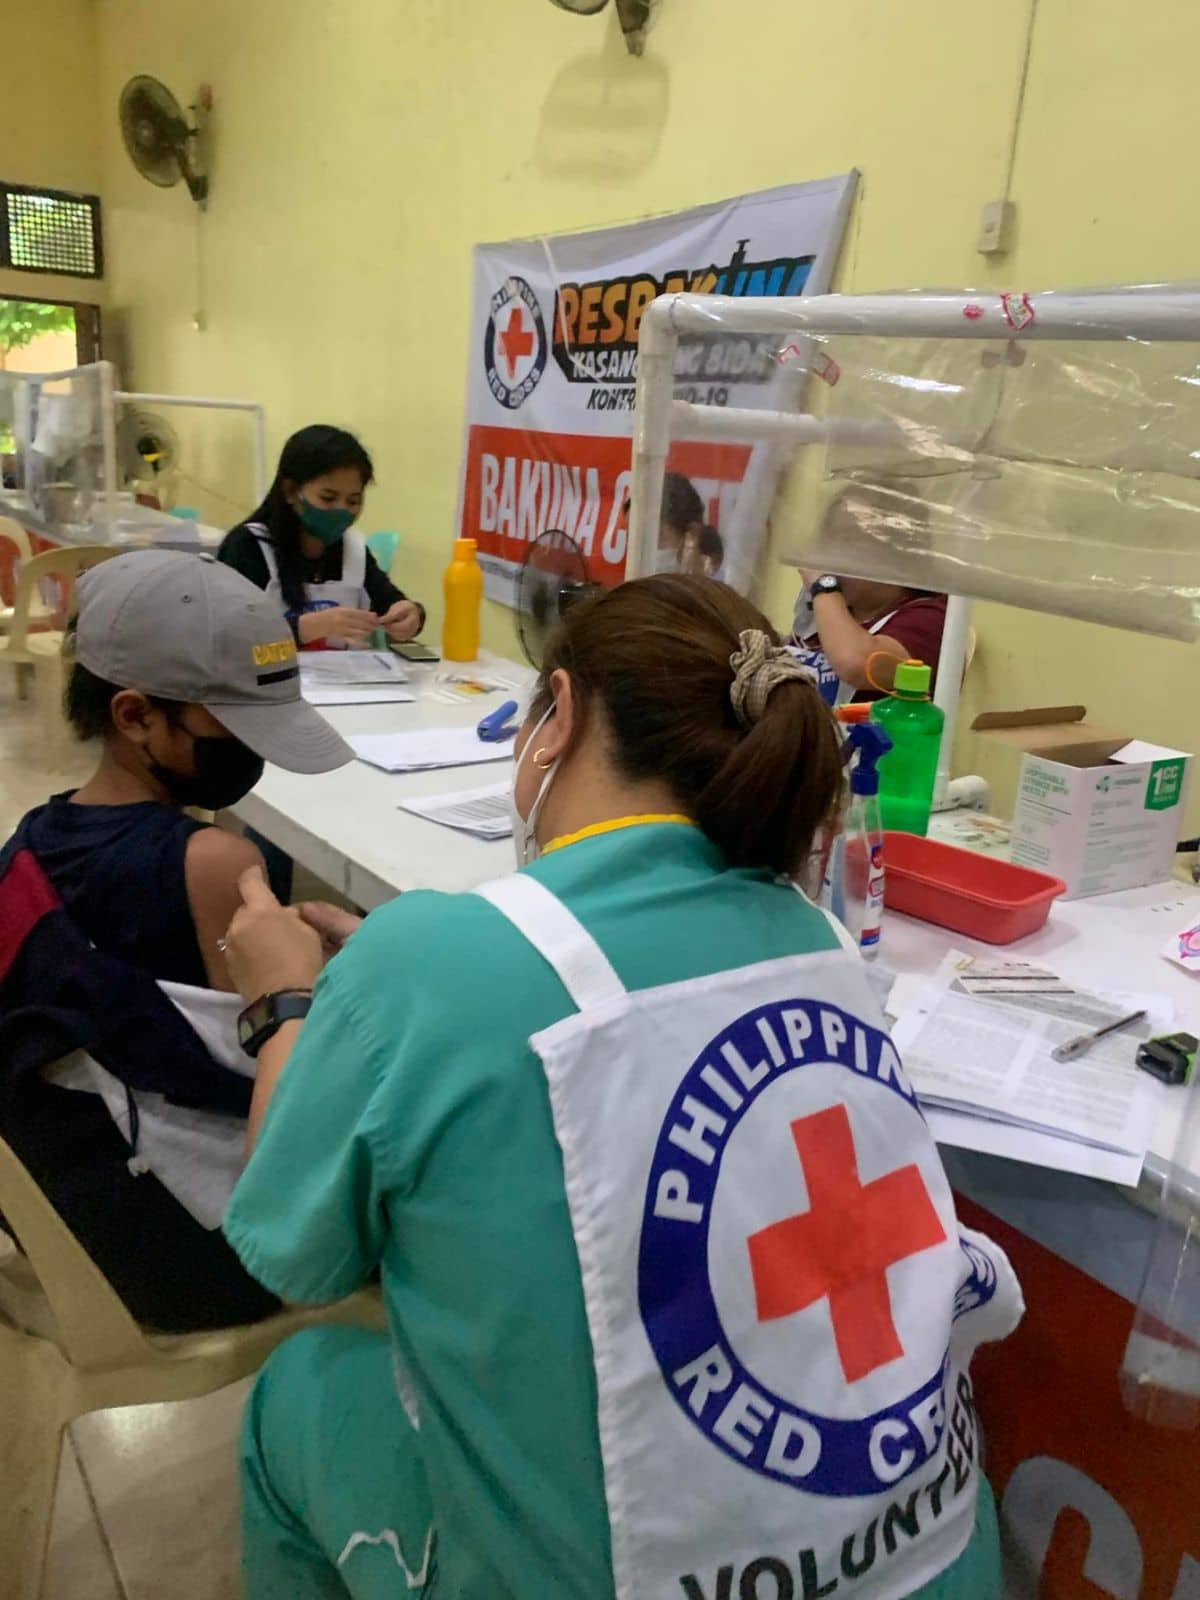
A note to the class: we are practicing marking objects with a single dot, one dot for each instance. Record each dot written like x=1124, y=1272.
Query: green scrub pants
x=335, y=1501
x=334, y=1498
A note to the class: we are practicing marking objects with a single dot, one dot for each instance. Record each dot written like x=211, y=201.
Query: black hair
x=681, y=502
x=710, y=543
x=87, y=703
x=308, y=454
x=87, y=699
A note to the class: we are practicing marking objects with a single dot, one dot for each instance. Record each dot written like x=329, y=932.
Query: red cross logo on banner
x=841, y=1248
x=516, y=340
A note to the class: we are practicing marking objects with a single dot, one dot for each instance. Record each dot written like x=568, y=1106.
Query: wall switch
x=996, y=223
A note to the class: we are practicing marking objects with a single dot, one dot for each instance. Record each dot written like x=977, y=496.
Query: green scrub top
x=411, y=1131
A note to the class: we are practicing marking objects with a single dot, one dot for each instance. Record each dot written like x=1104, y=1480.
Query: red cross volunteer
x=679, y=1307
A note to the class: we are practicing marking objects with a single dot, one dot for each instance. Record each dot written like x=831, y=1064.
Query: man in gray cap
x=187, y=673
x=114, y=901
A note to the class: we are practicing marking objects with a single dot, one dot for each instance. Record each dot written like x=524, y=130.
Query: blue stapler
x=498, y=725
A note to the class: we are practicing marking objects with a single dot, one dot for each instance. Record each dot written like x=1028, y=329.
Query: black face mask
x=225, y=770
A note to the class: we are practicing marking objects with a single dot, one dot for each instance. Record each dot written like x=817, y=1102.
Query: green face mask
x=327, y=523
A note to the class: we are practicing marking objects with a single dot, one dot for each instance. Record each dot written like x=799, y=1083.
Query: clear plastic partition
x=1039, y=450
x=1060, y=476
x=58, y=452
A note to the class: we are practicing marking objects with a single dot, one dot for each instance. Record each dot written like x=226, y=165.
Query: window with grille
x=47, y=230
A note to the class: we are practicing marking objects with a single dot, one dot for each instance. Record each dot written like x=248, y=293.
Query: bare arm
x=272, y=948
x=272, y=1059
x=214, y=862
x=850, y=646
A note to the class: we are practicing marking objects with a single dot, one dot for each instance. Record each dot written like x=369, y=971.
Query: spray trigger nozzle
x=870, y=743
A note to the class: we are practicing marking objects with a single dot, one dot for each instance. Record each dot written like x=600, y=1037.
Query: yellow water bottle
x=464, y=592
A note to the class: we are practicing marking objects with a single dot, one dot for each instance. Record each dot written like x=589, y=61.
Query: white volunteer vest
x=349, y=590
x=781, y=1302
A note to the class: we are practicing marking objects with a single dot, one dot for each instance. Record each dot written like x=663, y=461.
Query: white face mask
x=804, y=623
x=524, y=829
x=666, y=561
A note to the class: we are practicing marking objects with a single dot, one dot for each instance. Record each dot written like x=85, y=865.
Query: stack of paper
x=976, y=1044
x=482, y=812
x=425, y=748
x=352, y=677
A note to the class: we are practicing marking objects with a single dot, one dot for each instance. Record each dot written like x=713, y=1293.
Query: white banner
x=553, y=364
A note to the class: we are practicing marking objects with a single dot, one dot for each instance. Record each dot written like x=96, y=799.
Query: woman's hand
x=268, y=947
x=332, y=923
x=402, y=621
x=346, y=623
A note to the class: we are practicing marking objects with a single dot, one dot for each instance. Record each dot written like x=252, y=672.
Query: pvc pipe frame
x=1157, y=312
x=203, y=402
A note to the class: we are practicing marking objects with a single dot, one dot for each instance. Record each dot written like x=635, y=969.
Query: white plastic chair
x=42, y=650
x=68, y=1346
x=13, y=533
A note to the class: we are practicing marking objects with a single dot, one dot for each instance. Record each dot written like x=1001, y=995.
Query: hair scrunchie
x=759, y=667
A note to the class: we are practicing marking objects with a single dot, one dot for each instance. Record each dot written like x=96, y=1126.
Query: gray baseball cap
x=186, y=627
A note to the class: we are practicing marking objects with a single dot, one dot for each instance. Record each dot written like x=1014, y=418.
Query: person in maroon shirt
x=855, y=631
x=865, y=629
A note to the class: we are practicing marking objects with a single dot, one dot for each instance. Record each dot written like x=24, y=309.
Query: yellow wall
x=363, y=146
x=49, y=123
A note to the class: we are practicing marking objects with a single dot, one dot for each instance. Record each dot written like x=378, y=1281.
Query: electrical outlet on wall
x=996, y=223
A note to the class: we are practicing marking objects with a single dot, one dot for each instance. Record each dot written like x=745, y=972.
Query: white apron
x=198, y=1155
x=781, y=1302
x=834, y=691
x=348, y=590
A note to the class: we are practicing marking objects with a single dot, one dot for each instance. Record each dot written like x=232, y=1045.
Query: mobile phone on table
x=414, y=650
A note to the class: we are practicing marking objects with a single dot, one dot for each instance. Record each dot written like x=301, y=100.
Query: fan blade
x=154, y=130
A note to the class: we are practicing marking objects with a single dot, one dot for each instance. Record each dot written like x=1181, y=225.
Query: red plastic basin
x=976, y=895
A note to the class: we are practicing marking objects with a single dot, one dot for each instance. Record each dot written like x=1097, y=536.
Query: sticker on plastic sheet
x=1018, y=311
x=821, y=366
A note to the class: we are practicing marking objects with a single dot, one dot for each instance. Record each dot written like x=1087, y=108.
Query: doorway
x=47, y=335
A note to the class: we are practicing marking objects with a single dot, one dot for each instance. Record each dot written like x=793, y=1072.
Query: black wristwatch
x=826, y=585
x=263, y=1018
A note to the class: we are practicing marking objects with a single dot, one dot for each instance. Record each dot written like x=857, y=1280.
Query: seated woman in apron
x=300, y=545
x=854, y=632
x=679, y=1307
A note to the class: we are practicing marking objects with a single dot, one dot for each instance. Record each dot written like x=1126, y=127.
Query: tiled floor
x=148, y=1496
x=148, y=1504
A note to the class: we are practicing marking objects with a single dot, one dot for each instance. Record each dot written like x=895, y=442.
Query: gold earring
x=542, y=766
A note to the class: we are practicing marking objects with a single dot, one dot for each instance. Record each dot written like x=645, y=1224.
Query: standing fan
x=553, y=577
x=147, y=453
x=162, y=144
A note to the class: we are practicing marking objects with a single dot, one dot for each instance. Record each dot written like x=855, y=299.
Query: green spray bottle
x=908, y=772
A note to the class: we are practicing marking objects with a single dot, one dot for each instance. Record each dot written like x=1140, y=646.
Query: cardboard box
x=1097, y=809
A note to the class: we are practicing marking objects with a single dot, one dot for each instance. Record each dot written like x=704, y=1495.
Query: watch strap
x=264, y=1018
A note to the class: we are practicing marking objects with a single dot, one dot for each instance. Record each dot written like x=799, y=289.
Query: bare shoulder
x=216, y=857
x=212, y=865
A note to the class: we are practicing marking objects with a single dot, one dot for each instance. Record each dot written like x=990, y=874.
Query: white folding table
x=347, y=826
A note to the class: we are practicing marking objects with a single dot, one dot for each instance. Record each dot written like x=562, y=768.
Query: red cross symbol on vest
x=841, y=1247
x=516, y=340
